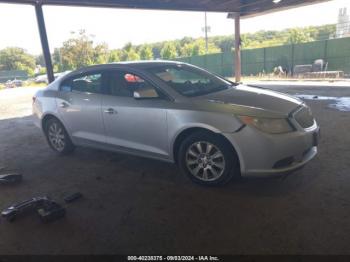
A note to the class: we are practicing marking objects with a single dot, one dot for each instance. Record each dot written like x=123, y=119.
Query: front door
x=137, y=125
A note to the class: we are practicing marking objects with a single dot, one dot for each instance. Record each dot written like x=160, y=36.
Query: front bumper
x=262, y=154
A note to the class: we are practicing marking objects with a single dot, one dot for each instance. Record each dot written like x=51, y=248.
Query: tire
x=57, y=137
x=208, y=159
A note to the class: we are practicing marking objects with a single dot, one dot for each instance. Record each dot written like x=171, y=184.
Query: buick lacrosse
x=213, y=129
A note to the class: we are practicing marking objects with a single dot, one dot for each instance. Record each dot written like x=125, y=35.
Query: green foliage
x=15, y=58
x=198, y=47
x=298, y=36
x=115, y=56
x=42, y=71
x=57, y=60
x=288, y=36
x=168, y=51
x=146, y=52
x=270, y=38
x=101, y=54
x=39, y=60
x=129, y=53
x=79, y=51
x=224, y=43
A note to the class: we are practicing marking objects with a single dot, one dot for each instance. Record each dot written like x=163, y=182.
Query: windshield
x=189, y=81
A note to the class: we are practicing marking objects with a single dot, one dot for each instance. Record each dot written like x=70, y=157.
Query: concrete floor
x=139, y=206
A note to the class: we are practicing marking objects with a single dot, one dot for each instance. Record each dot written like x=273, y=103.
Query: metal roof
x=244, y=7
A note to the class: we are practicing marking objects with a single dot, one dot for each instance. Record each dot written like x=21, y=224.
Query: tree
x=225, y=43
x=129, y=53
x=156, y=49
x=297, y=36
x=198, y=47
x=325, y=32
x=15, y=58
x=168, y=51
x=101, y=54
x=115, y=56
x=145, y=52
x=40, y=60
x=193, y=49
x=57, y=60
x=79, y=51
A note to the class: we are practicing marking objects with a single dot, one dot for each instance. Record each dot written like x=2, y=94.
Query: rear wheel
x=208, y=159
x=57, y=137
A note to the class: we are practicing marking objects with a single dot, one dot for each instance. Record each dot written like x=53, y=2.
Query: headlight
x=268, y=125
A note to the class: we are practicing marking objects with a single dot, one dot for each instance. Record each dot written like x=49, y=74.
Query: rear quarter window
x=90, y=83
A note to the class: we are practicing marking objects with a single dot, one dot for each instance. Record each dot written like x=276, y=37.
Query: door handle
x=110, y=111
x=64, y=105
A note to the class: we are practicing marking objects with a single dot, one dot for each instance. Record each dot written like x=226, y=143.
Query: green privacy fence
x=254, y=61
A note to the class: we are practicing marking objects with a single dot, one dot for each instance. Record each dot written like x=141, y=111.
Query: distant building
x=343, y=25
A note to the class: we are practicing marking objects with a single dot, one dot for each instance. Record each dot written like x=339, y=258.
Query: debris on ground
x=73, y=197
x=51, y=211
x=339, y=103
x=47, y=209
x=10, y=178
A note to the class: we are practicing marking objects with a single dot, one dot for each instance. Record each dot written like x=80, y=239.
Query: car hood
x=249, y=100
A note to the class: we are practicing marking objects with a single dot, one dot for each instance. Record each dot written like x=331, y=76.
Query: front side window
x=90, y=83
x=130, y=85
x=189, y=81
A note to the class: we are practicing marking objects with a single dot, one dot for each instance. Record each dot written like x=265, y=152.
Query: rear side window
x=90, y=83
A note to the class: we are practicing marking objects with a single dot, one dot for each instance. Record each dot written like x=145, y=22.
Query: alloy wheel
x=56, y=136
x=205, y=161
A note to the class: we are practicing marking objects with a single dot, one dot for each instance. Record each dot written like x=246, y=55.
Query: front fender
x=182, y=120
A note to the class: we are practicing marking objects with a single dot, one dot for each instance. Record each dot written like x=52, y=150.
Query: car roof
x=131, y=64
x=128, y=65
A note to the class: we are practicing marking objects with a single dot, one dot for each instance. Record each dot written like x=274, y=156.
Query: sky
x=116, y=27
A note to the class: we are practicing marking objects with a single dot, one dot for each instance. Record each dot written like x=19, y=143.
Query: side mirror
x=145, y=94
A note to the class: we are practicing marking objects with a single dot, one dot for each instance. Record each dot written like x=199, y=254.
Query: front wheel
x=57, y=137
x=208, y=159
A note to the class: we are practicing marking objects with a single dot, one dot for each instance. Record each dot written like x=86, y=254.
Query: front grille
x=304, y=117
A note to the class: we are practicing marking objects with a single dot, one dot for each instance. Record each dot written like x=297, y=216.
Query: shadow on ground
x=139, y=206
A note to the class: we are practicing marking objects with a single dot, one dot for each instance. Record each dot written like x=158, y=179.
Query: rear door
x=79, y=105
x=135, y=125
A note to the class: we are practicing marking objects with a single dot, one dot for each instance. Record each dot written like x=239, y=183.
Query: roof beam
x=244, y=7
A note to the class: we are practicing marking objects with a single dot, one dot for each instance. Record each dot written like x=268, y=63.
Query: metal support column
x=44, y=42
x=238, y=69
x=206, y=32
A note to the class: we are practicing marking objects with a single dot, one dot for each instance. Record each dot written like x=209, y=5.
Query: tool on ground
x=51, y=211
x=73, y=197
x=47, y=209
x=10, y=178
